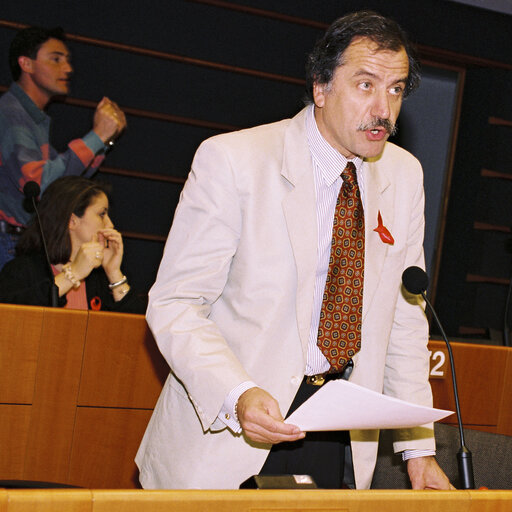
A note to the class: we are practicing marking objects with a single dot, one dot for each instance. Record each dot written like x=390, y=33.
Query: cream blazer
x=233, y=300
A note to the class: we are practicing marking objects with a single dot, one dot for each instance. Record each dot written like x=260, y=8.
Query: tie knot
x=349, y=175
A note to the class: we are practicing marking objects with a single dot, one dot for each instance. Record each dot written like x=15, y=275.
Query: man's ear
x=25, y=63
x=319, y=94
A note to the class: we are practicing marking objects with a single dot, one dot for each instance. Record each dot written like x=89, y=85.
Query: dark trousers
x=320, y=454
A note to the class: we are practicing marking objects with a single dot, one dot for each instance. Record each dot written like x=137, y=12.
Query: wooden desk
x=86, y=500
x=77, y=390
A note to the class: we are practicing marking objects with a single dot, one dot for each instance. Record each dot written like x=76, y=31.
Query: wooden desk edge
x=248, y=499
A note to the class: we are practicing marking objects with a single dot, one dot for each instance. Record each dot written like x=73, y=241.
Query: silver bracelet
x=70, y=276
x=123, y=280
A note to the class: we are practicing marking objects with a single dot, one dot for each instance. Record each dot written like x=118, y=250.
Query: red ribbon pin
x=383, y=231
x=95, y=303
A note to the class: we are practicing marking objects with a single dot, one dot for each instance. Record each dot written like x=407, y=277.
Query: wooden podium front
x=484, y=381
x=77, y=390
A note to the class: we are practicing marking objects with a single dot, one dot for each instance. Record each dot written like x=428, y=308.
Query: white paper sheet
x=342, y=405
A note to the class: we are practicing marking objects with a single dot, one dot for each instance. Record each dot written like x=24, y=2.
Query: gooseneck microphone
x=31, y=190
x=415, y=281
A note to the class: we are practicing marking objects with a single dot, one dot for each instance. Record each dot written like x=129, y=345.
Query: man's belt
x=321, y=378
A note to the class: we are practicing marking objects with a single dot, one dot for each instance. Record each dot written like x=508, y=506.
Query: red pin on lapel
x=383, y=231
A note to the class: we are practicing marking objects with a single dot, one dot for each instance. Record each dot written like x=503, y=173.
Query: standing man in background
x=280, y=230
x=41, y=69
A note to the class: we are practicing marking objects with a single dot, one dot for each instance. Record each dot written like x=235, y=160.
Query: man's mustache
x=377, y=122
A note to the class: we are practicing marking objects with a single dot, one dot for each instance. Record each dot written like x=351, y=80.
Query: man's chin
x=63, y=89
x=376, y=147
x=365, y=147
x=373, y=151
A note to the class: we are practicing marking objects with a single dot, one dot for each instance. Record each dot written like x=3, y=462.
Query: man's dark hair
x=66, y=195
x=328, y=52
x=27, y=42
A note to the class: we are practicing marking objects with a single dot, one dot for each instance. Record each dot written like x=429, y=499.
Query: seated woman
x=84, y=248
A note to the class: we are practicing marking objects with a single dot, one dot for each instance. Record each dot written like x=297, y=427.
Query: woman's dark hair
x=27, y=42
x=327, y=54
x=67, y=195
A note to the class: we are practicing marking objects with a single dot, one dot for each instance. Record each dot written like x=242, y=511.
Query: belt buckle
x=315, y=380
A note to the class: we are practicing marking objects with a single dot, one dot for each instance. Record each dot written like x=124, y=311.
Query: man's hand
x=425, y=473
x=109, y=120
x=261, y=420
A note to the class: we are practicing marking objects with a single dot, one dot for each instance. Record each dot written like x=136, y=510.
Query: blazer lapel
x=378, y=198
x=300, y=214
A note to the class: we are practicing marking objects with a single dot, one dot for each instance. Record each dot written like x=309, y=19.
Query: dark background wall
x=216, y=66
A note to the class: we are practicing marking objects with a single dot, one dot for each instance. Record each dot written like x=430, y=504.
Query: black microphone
x=415, y=281
x=32, y=191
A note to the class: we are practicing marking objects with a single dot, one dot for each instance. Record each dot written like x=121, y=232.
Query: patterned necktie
x=339, y=331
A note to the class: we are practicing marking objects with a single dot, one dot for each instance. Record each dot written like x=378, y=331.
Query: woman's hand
x=112, y=245
x=89, y=256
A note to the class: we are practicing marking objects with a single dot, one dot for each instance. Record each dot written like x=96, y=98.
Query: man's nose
x=380, y=107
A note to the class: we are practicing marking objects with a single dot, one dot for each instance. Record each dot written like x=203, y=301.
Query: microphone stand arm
x=54, y=291
x=464, y=456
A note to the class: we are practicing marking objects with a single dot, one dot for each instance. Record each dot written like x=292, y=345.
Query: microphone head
x=415, y=280
x=31, y=189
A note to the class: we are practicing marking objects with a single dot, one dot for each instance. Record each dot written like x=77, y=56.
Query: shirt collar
x=330, y=161
x=34, y=112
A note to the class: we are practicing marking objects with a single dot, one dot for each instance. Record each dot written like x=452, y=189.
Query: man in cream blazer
x=233, y=299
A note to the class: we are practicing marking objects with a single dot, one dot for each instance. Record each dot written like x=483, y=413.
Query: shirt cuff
x=228, y=412
x=93, y=142
x=413, y=454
